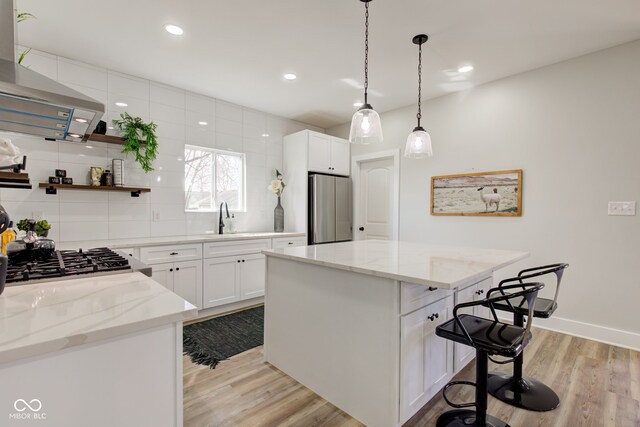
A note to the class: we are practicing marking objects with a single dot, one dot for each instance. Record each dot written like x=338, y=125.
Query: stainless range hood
x=33, y=104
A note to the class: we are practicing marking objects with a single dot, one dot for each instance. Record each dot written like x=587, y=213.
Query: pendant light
x=365, y=124
x=419, y=141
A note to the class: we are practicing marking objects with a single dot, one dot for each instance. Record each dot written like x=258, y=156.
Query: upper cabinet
x=328, y=154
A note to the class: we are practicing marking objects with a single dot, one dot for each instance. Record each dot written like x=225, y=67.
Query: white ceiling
x=239, y=50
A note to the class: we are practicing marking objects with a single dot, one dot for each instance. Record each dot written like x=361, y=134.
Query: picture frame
x=495, y=193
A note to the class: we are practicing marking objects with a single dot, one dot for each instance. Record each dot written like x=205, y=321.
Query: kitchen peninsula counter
x=88, y=348
x=355, y=321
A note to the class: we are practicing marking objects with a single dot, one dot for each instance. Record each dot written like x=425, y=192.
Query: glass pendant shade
x=418, y=144
x=365, y=126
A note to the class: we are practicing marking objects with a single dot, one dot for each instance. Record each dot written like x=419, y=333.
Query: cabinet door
x=426, y=360
x=319, y=153
x=187, y=281
x=464, y=353
x=163, y=274
x=481, y=293
x=340, y=156
x=252, y=276
x=220, y=285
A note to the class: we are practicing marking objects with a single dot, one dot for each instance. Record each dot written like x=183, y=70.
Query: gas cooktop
x=62, y=264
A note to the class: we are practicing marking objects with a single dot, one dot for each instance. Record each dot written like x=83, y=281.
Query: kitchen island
x=99, y=351
x=355, y=321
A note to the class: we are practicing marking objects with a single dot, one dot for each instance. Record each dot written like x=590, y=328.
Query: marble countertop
x=47, y=317
x=445, y=267
x=170, y=240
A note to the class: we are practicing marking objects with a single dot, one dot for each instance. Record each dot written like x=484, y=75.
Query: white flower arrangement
x=277, y=185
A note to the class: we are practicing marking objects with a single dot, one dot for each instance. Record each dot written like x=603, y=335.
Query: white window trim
x=216, y=205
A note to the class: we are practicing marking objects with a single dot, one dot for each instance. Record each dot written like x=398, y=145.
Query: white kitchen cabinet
x=171, y=253
x=220, y=284
x=289, y=242
x=231, y=279
x=182, y=278
x=464, y=353
x=426, y=360
x=328, y=154
x=251, y=276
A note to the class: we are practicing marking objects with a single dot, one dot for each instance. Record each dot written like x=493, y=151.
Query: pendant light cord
x=419, y=115
x=366, y=52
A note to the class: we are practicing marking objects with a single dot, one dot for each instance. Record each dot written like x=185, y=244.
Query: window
x=212, y=177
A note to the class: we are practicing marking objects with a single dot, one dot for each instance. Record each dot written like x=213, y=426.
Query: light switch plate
x=622, y=208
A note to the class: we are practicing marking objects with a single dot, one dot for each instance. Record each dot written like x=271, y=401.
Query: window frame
x=243, y=185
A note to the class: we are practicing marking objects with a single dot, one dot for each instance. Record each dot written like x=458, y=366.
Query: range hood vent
x=33, y=104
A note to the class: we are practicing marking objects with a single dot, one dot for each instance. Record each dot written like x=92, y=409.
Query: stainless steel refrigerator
x=330, y=214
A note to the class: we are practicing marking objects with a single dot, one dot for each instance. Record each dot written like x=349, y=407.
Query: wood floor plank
x=598, y=385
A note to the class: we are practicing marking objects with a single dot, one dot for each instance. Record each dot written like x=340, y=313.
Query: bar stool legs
x=520, y=391
x=479, y=417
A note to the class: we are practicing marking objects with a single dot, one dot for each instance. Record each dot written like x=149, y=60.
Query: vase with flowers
x=277, y=187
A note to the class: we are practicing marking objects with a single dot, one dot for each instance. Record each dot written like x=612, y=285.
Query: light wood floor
x=598, y=385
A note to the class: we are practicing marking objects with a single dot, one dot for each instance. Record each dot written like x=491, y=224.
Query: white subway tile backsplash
x=201, y=104
x=123, y=84
x=88, y=215
x=228, y=111
x=167, y=95
x=78, y=73
x=73, y=212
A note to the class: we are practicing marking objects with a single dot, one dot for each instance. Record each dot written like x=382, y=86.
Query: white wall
x=574, y=129
x=82, y=215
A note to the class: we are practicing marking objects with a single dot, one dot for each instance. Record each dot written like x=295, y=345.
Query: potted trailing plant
x=42, y=227
x=140, y=139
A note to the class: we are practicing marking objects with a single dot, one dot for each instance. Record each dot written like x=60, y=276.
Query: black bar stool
x=518, y=390
x=488, y=337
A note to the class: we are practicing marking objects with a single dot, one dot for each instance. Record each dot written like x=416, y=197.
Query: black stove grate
x=68, y=263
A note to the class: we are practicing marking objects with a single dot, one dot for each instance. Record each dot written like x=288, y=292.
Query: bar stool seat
x=515, y=388
x=488, y=337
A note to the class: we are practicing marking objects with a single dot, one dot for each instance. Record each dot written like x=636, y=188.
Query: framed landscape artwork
x=478, y=194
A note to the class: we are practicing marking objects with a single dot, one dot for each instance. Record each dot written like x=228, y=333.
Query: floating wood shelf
x=53, y=188
x=15, y=180
x=108, y=139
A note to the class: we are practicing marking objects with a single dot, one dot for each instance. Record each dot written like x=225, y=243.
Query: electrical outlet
x=622, y=208
x=156, y=215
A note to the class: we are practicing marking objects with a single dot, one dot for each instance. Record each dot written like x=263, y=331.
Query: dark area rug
x=209, y=342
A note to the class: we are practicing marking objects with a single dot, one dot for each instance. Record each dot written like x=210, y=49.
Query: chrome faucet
x=220, y=221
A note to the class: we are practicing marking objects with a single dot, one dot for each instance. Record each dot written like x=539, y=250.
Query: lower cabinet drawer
x=173, y=253
x=238, y=247
x=414, y=296
x=289, y=242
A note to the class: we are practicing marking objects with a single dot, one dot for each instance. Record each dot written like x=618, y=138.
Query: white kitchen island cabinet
x=355, y=321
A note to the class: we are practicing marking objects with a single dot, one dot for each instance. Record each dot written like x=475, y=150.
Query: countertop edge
x=393, y=276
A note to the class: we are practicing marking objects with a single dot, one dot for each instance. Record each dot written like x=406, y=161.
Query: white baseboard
x=603, y=334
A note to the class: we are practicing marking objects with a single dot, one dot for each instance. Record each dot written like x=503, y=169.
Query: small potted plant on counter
x=42, y=227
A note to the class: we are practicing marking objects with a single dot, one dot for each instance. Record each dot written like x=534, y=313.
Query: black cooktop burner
x=67, y=263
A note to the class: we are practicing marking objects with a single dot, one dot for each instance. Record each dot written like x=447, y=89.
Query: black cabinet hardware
x=361, y=228
x=173, y=253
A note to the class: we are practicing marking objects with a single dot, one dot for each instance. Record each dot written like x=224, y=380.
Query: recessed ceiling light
x=80, y=120
x=265, y=135
x=174, y=29
x=290, y=76
x=358, y=104
x=89, y=146
x=203, y=123
x=465, y=69
x=122, y=104
x=74, y=135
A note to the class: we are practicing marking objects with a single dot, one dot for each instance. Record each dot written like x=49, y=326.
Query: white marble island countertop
x=439, y=266
x=46, y=317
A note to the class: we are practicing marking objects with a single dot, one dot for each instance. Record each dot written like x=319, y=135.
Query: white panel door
x=340, y=156
x=187, y=281
x=252, y=276
x=375, y=200
x=319, y=153
x=464, y=353
x=163, y=274
x=220, y=284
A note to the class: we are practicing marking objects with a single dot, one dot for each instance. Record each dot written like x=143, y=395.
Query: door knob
x=361, y=228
